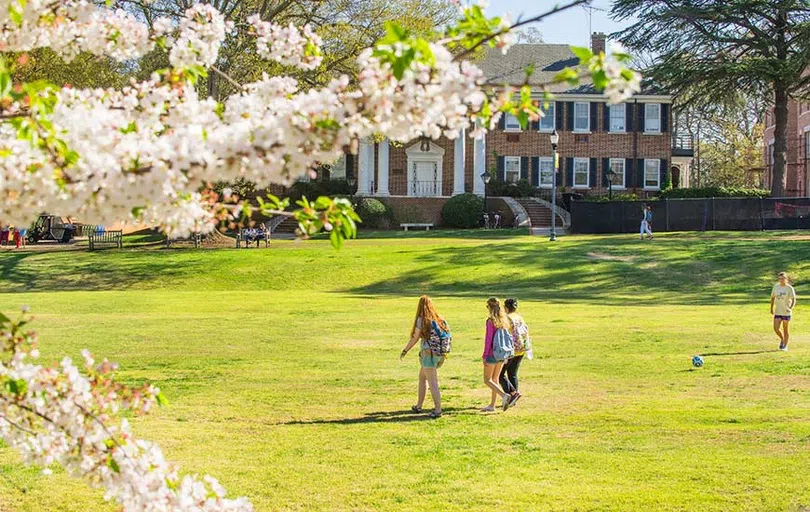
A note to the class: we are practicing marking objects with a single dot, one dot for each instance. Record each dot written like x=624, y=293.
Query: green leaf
x=584, y=54
x=113, y=464
x=161, y=400
x=569, y=75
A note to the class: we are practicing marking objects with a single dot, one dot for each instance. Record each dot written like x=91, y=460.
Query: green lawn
x=282, y=371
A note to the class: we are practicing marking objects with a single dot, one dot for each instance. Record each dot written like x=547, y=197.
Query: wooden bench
x=195, y=239
x=420, y=225
x=247, y=236
x=106, y=238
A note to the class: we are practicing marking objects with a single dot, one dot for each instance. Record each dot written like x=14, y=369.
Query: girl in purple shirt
x=497, y=319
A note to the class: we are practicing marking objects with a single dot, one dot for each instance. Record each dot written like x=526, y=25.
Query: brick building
x=633, y=139
x=798, y=148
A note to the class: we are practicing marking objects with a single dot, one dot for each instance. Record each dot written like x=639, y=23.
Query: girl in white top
x=783, y=299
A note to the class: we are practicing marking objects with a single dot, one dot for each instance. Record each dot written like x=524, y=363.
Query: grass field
x=282, y=371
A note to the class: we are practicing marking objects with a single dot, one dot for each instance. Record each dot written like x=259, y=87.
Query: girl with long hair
x=496, y=319
x=520, y=333
x=426, y=316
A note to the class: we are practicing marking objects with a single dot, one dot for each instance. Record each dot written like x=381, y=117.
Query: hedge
x=704, y=192
x=374, y=213
x=463, y=211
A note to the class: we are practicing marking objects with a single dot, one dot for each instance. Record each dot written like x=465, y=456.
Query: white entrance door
x=425, y=179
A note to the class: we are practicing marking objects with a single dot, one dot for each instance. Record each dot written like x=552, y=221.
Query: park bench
x=247, y=236
x=420, y=225
x=195, y=239
x=106, y=238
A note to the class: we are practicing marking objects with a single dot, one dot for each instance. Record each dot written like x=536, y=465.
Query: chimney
x=598, y=40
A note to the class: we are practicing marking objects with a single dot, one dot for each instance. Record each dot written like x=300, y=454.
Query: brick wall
x=597, y=144
x=798, y=123
x=416, y=209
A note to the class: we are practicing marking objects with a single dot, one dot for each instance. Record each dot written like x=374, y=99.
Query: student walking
x=520, y=335
x=498, y=348
x=783, y=299
x=646, y=222
x=431, y=329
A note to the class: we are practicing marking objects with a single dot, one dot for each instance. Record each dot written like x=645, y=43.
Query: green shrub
x=616, y=197
x=463, y=211
x=695, y=193
x=374, y=213
x=522, y=188
x=315, y=189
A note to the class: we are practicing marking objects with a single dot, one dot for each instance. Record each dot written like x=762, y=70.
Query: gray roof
x=547, y=59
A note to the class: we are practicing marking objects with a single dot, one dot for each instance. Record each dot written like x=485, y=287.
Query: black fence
x=720, y=214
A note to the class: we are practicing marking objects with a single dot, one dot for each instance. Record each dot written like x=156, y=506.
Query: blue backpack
x=503, y=346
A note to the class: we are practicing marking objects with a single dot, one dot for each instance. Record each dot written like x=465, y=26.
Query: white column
x=365, y=166
x=458, y=163
x=382, y=175
x=479, y=163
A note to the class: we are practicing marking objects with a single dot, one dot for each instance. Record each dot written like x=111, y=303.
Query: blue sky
x=569, y=27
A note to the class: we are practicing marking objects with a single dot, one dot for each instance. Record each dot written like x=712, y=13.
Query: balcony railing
x=683, y=145
x=432, y=188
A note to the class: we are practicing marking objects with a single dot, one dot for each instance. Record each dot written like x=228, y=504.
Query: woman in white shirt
x=783, y=299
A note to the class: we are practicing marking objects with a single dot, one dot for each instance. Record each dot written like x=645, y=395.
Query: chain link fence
x=709, y=214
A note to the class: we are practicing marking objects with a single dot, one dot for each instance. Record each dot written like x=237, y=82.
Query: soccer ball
x=697, y=361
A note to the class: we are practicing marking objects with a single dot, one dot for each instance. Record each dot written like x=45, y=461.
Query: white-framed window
x=807, y=144
x=618, y=118
x=546, y=172
x=511, y=169
x=652, y=118
x=617, y=166
x=511, y=123
x=652, y=174
x=337, y=171
x=547, y=123
x=582, y=117
x=582, y=173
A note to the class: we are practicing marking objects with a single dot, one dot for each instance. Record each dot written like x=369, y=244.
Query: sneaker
x=783, y=349
x=507, y=400
x=488, y=408
x=515, y=397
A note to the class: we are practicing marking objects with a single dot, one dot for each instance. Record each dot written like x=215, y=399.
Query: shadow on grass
x=603, y=270
x=468, y=234
x=385, y=417
x=749, y=353
x=92, y=271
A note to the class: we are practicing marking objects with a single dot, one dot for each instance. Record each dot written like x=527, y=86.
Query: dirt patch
x=611, y=257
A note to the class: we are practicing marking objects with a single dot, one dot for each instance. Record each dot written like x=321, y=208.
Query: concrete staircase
x=540, y=216
x=288, y=225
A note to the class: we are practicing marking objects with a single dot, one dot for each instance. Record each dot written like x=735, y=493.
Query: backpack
x=440, y=340
x=503, y=346
x=520, y=334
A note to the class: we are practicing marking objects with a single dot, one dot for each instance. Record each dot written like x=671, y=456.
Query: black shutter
x=569, y=172
x=558, y=114
x=501, y=166
x=535, y=168
x=640, y=169
x=593, y=173
x=605, y=117
x=349, y=166
x=663, y=177
x=605, y=169
x=569, y=118
x=641, y=113
x=594, y=127
x=502, y=122
x=629, y=121
x=628, y=172
x=664, y=117
x=524, y=167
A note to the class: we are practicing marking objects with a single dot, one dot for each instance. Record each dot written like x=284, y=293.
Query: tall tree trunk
x=779, y=170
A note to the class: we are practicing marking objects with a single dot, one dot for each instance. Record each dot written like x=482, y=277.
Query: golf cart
x=53, y=228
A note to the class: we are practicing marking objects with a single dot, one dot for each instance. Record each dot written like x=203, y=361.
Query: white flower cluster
x=201, y=33
x=288, y=45
x=61, y=415
x=619, y=88
x=69, y=27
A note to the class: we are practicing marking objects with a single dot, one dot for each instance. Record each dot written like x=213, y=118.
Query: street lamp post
x=611, y=175
x=555, y=138
x=485, y=177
